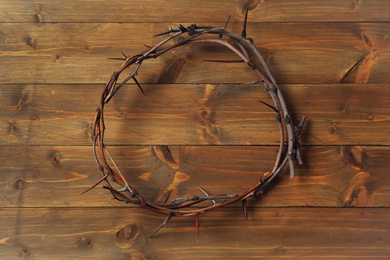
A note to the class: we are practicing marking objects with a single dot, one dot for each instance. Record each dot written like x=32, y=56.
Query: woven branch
x=193, y=34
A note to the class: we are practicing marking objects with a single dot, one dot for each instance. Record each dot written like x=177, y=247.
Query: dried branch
x=243, y=47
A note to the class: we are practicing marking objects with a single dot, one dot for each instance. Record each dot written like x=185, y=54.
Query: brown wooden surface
x=199, y=113
x=331, y=59
x=121, y=233
x=356, y=175
x=154, y=11
x=315, y=53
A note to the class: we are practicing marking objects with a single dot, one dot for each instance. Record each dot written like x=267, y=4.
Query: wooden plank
x=191, y=114
x=296, y=53
x=154, y=11
x=197, y=126
x=55, y=176
x=122, y=233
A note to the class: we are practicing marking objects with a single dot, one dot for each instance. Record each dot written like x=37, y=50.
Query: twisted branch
x=193, y=34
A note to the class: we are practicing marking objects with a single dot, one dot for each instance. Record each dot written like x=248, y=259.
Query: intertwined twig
x=241, y=46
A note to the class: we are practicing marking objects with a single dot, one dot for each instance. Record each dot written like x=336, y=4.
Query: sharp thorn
x=302, y=122
x=251, y=83
x=116, y=58
x=167, y=197
x=96, y=184
x=243, y=33
x=124, y=55
x=245, y=209
x=205, y=193
x=162, y=224
x=225, y=61
x=270, y=106
x=167, y=32
x=197, y=223
x=202, y=190
x=224, y=27
x=160, y=34
x=139, y=85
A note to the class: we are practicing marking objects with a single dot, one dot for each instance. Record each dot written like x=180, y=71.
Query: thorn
x=245, y=209
x=96, y=184
x=197, y=223
x=205, y=193
x=168, y=194
x=163, y=33
x=139, y=85
x=270, y=106
x=251, y=83
x=162, y=224
x=124, y=55
x=116, y=58
x=243, y=33
x=303, y=119
x=226, y=61
x=224, y=27
x=170, y=31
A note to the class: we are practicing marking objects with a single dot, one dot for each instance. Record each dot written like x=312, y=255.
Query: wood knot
x=344, y=108
x=24, y=99
x=87, y=48
x=356, y=3
x=35, y=118
x=367, y=40
x=57, y=58
x=32, y=43
x=38, y=14
x=359, y=191
x=24, y=250
x=12, y=128
x=250, y=4
x=354, y=156
x=370, y=117
x=127, y=232
x=165, y=155
x=55, y=158
x=89, y=130
x=210, y=131
x=333, y=127
x=20, y=184
x=85, y=242
x=119, y=113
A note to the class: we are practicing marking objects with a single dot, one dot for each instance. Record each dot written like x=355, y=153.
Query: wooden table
x=331, y=59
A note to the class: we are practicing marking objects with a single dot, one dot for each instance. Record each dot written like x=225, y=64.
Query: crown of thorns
x=242, y=46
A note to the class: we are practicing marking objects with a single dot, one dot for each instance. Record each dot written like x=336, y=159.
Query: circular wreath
x=244, y=48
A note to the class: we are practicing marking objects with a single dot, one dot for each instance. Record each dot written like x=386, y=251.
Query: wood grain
x=153, y=11
x=78, y=52
x=269, y=233
x=191, y=114
x=197, y=126
x=55, y=176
